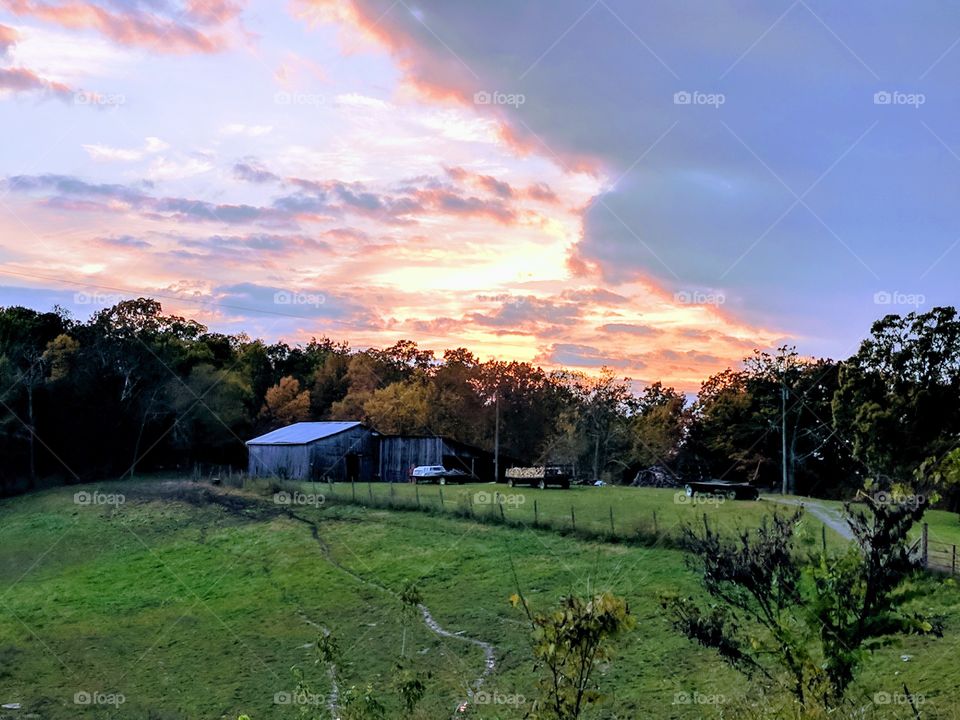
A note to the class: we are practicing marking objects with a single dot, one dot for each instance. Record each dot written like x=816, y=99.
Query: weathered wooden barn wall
x=398, y=454
x=358, y=453
x=283, y=461
x=348, y=455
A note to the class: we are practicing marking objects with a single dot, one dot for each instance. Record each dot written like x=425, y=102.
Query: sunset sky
x=654, y=186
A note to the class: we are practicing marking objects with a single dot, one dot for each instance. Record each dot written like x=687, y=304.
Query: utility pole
x=496, y=437
x=783, y=430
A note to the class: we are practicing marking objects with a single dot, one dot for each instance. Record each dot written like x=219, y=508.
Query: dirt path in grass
x=830, y=517
x=490, y=661
x=333, y=698
x=252, y=507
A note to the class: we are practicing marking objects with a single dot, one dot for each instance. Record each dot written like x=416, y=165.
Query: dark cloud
x=74, y=193
x=253, y=172
x=127, y=241
x=257, y=243
x=588, y=356
x=66, y=185
x=199, y=210
x=705, y=196
x=319, y=304
x=527, y=314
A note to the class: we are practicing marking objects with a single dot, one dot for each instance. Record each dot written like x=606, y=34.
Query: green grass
x=645, y=516
x=194, y=610
x=944, y=526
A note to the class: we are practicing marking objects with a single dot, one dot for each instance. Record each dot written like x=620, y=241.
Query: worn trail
x=254, y=508
x=489, y=654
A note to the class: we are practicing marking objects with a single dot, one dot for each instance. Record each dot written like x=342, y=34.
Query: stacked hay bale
x=526, y=473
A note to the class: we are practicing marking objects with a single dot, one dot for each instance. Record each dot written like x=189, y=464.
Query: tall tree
x=285, y=403
x=657, y=426
x=24, y=337
x=401, y=408
x=898, y=399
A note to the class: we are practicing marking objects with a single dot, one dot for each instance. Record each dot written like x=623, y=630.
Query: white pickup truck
x=437, y=473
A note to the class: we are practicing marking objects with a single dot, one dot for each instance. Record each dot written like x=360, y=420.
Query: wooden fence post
x=441, y=496
x=953, y=561
x=353, y=490
x=470, y=500
x=416, y=489
x=655, y=530
x=573, y=519
x=612, y=529
x=536, y=513
x=924, y=544
x=370, y=492
x=391, y=494
x=502, y=516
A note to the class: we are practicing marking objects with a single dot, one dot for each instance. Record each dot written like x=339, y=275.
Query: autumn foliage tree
x=167, y=392
x=285, y=403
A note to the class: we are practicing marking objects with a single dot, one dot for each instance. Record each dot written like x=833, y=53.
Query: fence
x=587, y=521
x=217, y=474
x=515, y=509
x=935, y=555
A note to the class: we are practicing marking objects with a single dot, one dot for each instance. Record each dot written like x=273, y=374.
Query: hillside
x=195, y=601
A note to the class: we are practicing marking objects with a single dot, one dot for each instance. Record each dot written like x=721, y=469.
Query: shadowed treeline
x=134, y=390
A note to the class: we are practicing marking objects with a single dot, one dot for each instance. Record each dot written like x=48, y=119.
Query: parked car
x=721, y=488
x=438, y=473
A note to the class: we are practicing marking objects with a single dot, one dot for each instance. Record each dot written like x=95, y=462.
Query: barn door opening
x=353, y=466
x=463, y=464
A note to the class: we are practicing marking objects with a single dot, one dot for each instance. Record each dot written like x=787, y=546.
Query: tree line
x=133, y=390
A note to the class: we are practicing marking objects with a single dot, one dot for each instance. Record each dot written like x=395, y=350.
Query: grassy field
x=651, y=515
x=196, y=603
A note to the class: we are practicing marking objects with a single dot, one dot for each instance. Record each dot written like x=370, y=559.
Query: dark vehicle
x=540, y=476
x=720, y=488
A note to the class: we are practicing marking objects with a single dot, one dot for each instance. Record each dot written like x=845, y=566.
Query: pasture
x=192, y=601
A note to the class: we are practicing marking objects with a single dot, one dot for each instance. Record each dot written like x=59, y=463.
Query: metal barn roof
x=301, y=433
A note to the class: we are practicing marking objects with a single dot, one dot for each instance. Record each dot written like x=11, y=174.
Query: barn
x=400, y=453
x=340, y=451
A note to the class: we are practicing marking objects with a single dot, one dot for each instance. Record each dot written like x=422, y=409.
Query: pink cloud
x=538, y=191
x=197, y=27
x=20, y=79
x=24, y=80
x=8, y=38
x=447, y=202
